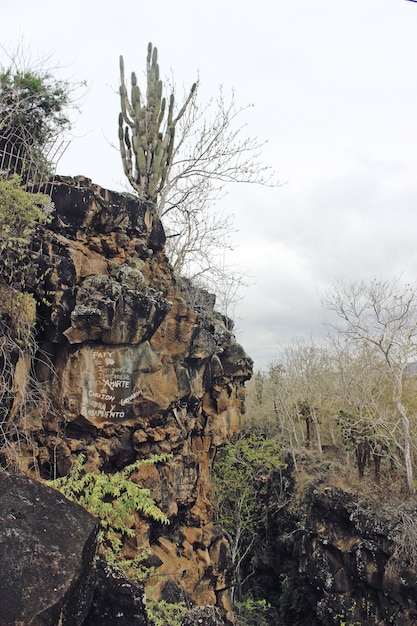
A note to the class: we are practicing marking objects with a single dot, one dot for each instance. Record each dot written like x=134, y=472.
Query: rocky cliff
x=337, y=555
x=136, y=362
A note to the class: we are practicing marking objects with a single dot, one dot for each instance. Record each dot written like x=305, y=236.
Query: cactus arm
x=147, y=130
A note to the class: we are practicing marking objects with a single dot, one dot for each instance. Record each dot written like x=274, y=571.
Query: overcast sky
x=334, y=88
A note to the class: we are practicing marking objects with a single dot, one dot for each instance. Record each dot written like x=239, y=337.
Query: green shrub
x=252, y=612
x=241, y=472
x=291, y=601
x=21, y=213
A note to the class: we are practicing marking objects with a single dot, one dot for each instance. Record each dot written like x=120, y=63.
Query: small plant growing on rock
x=253, y=612
x=291, y=601
x=114, y=499
x=21, y=213
x=162, y=613
x=23, y=398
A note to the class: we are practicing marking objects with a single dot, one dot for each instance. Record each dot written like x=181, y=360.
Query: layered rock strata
x=136, y=363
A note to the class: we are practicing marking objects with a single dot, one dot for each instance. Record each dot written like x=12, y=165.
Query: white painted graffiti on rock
x=130, y=398
x=110, y=396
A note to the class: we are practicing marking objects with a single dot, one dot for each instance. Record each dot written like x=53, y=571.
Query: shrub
x=21, y=213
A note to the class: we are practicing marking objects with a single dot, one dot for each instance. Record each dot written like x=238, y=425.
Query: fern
x=113, y=499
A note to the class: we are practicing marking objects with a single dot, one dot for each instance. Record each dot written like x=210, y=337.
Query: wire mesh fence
x=35, y=165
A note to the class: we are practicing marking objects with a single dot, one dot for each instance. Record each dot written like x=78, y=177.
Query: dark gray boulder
x=117, y=601
x=47, y=552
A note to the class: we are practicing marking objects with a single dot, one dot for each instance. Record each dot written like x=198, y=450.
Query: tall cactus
x=146, y=132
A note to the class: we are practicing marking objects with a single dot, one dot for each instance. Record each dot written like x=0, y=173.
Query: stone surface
x=47, y=551
x=136, y=362
x=330, y=553
x=204, y=615
x=116, y=601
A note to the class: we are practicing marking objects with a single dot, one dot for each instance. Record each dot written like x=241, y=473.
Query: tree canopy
x=34, y=109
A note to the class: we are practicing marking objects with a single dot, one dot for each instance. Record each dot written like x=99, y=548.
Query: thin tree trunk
x=317, y=430
x=407, y=447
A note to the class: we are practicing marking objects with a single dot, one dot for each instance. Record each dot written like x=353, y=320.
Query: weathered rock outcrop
x=334, y=557
x=115, y=600
x=136, y=363
x=47, y=552
x=205, y=615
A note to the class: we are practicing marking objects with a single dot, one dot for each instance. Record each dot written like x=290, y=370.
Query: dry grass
x=338, y=469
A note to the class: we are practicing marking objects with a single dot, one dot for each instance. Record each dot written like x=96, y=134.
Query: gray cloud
x=335, y=94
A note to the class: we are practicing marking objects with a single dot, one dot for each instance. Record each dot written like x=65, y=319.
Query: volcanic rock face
x=333, y=557
x=116, y=600
x=354, y=555
x=138, y=363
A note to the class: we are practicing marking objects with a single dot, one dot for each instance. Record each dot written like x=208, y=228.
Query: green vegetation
x=252, y=612
x=33, y=115
x=291, y=601
x=114, y=499
x=21, y=214
x=241, y=471
x=32, y=105
x=162, y=613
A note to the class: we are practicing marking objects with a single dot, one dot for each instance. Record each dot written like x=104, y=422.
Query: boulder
x=47, y=551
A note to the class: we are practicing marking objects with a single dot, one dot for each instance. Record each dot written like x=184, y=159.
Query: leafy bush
x=33, y=115
x=237, y=468
x=21, y=213
x=32, y=104
x=162, y=613
x=291, y=601
x=241, y=471
x=252, y=612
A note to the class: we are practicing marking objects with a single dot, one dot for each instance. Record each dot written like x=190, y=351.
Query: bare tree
x=211, y=153
x=181, y=162
x=367, y=419
x=298, y=396
x=381, y=318
x=308, y=366
x=212, y=150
